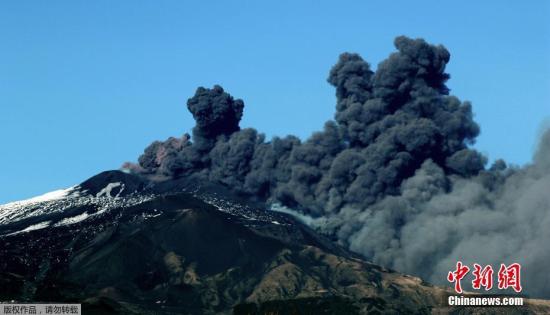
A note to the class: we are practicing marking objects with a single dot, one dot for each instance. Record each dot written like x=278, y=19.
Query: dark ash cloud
x=392, y=176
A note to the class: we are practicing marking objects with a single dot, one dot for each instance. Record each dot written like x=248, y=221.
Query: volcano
x=121, y=244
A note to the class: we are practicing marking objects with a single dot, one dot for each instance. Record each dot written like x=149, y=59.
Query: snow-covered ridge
x=60, y=200
x=57, y=208
x=52, y=195
x=32, y=206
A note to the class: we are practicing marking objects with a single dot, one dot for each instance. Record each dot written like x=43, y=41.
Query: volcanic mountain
x=121, y=244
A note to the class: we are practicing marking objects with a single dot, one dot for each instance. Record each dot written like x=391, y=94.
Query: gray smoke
x=391, y=177
x=499, y=216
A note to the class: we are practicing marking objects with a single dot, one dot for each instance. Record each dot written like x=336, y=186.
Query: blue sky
x=85, y=86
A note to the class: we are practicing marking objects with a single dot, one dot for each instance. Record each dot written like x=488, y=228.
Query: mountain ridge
x=122, y=245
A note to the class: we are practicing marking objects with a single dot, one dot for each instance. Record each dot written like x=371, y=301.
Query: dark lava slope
x=122, y=245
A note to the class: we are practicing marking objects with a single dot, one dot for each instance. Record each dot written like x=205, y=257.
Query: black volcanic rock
x=181, y=247
x=124, y=183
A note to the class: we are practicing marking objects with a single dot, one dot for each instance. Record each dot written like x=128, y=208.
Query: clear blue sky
x=86, y=85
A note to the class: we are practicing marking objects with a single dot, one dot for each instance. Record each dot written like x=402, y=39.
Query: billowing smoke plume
x=392, y=175
x=500, y=216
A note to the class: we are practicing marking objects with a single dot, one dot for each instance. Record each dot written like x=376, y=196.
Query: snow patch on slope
x=73, y=220
x=33, y=227
x=109, y=188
